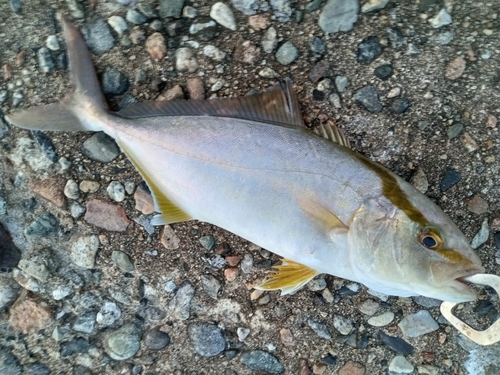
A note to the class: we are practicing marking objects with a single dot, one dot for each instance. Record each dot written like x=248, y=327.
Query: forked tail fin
x=69, y=113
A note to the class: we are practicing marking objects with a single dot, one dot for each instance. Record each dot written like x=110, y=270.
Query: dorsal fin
x=278, y=105
x=332, y=133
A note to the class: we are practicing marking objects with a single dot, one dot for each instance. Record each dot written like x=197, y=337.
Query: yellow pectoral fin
x=290, y=277
x=321, y=216
x=170, y=212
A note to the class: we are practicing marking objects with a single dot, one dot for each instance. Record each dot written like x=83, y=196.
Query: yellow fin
x=290, y=277
x=170, y=212
x=323, y=217
x=332, y=133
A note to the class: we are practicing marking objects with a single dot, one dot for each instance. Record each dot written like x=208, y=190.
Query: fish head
x=395, y=254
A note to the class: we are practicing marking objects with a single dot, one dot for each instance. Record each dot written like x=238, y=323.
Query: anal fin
x=289, y=277
x=169, y=211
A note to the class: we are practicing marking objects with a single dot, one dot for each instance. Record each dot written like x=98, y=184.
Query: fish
x=249, y=165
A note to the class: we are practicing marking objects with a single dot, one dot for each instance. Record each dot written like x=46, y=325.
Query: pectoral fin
x=290, y=277
x=322, y=217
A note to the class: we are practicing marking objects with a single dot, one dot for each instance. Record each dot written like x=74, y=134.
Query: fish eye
x=429, y=238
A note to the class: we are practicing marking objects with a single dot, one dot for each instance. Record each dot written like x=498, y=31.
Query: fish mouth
x=459, y=282
x=460, y=275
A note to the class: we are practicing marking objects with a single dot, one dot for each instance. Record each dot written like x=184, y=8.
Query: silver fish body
x=250, y=166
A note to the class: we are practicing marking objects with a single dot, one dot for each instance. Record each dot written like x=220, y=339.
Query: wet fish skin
x=250, y=166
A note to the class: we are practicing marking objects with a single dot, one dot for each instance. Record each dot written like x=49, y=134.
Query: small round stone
x=108, y=314
x=223, y=15
x=116, y=191
x=383, y=72
x=287, y=53
x=206, y=339
x=135, y=17
x=52, y=43
x=71, y=189
x=118, y=24
x=381, y=320
x=122, y=261
x=156, y=339
x=259, y=360
x=123, y=343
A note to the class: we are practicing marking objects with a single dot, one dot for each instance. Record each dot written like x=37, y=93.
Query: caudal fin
x=67, y=115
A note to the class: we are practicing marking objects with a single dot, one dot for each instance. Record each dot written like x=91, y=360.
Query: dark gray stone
x=46, y=145
x=100, y=147
x=317, y=45
x=85, y=323
x=126, y=101
x=76, y=345
x=454, y=130
x=383, y=72
x=156, y=339
x=397, y=344
x=98, y=36
x=36, y=369
x=319, y=328
x=181, y=302
x=45, y=61
x=368, y=97
x=259, y=360
x=43, y=226
x=369, y=50
x=171, y=8
x=114, y=82
x=207, y=339
x=208, y=242
x=400, y=105
x=211, y=285
x=451, y=178
x=395, y=37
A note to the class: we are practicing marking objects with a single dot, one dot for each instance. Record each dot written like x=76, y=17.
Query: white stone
x=83, y=251
x=381, y=320
x=71, y=190
x=118, y=24
x=116, y=191
x=224, y=16
x=108, y=314
x=443, y=18
x=400, y=365
x=214, y=53
x=52, y=43
x=185, y=60
x=372, y=5
x=242, y=333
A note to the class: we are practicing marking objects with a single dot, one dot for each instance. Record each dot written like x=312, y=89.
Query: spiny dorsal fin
x=278, y=105
x=332, y=133
x=290, y=277
x=169, y=211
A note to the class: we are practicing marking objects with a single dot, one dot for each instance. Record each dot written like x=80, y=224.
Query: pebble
x=85, y=323
x=477, y=205
x=185, y=60
x=35, y=369
x=338, y=15
x=206, y=339
x=171, y=8
x=282, y=10
x=195, y=88
x=242, y=333
x=43, y=225
x=444, y=38
x=89, y=186
x=135, y=17
x=260, y=360
x=123, y=343
x=319, y=328
x=50, y=189
x=144, y=200
x=247, y=52
x=381, y=320
x=373, y=5
x=122, y=261
x=441, y=19
x=108, y=314
x=181, y=302
x=214, y=53
x=368, y=97
x=52, y=43
x=169, y=239
x=223, y=15
x=418, y=324
x=247, y=263
x=455, y=68
x=116, y=191
x=106, y=215
x=136, y=36
x=427, y=302
x=369, y=307
x=100, y=147
x=204, y=31
x=400, y=365
x=28, y=316
x=114, y=82
x=317, y=284
x=342, y=324
x=454, y=130
x=247, y=7
x=270, y=40
x=286, y=337
x=384, y=72
x=34, y=267
x=45, y=62
x=74, y=346
x=268, y=73
x=156, y=339
x=287, y=53
x=430, y=370
x=313, y=6
x=231, y=273
x=45, y=144
x=71, y=189
x=400, y=105
x=208, y=242
x=155, y=45
x=352, y=368
x=173, y=93
x=482, y=236
x=419, y=180
x=9, y=290
x=211, y=285
x=369, y=50
x=397, y=344
x=492, y=122
x=98, y=36
x=189, y=12
x=334, y=98
x=451, y=178
x=259, y=22
x=118, y=24
x=15, y=5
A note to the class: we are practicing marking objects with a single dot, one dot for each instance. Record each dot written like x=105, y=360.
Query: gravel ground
x=414, y=85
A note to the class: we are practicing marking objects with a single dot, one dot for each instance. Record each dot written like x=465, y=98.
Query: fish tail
x=71, y=113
